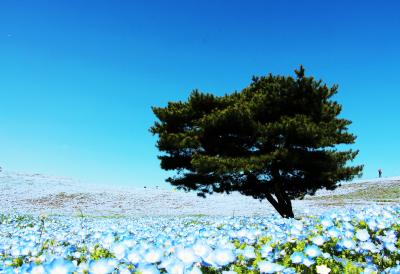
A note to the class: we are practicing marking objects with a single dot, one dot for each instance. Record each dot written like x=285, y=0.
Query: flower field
x=349, y=241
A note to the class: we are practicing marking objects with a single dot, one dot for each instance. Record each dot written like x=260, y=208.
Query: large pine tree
x=274, y=140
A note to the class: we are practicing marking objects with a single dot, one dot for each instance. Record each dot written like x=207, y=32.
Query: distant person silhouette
x=380, y=173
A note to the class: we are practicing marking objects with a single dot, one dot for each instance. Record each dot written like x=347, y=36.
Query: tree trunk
x=288, y=204
x=283, y=207
x=282, y=204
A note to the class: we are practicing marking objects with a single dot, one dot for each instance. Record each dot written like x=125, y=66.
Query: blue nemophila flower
x=368, y=259
x=15, y=252
x=390, y=246
x=113, y=262
x=326, y=255
x=148, y=269
x=196, y=270
x=291, y=238
x=60, y=266
x=362, y=235
x=176, y=267
x=393, y=270
x=107, y=240
x=348, y=234
x=369, y=246
x=318, y=240
x=312, y=251
x=229, y=245
x=251, y=236
x=369, y=270
x=167, y=261
x=360, y=215
x=268, y=267
x=333, y=232
x=382, y=224
x=101, y=266
x=8, y=270
x=187, y=256
x=289, y=270
x=124, y=270
x=348, y=226
x=390, y=234
x=265, y=250
x=83, y=267
x=153, y=255
x=119, y=250
x=296, y=229
x=248, y=252
x=76, y=254
x=388, y=241
x=210, y=260
x=326, y=222
x=241, y=233
x=134, y=257
x=221, y=257
x=372, y=224
x=333, y=215
x=348, y=243
x=308, y=261
x=297, y=257
x=35, y=269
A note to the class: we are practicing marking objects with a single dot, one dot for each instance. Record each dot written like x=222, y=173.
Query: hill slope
x=37, y=193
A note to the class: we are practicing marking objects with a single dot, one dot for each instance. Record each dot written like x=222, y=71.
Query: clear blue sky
x=78, y=78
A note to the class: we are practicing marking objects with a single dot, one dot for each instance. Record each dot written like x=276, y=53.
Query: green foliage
x=23, y=221
x=350, y=268
x=16, y=262
x=362, y=225
x=48, y=243
x=275, y=137
x=262, y=241
x=100, y=253
x=209, y=270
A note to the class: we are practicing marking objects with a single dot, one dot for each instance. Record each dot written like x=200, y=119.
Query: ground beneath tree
x=37, y=193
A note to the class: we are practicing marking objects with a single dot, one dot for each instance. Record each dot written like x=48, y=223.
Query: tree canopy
x=276, y=140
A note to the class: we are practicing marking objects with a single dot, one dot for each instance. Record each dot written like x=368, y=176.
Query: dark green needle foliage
x=274, y=140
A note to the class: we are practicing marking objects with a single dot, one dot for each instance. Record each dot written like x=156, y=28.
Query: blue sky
x=78, y=78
